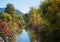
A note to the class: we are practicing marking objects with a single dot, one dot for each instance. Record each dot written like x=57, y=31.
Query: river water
x=24, y=37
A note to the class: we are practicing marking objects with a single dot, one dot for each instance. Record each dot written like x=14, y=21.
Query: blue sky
x=21, y=5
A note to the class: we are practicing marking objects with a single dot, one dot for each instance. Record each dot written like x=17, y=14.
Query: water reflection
x=24, y=37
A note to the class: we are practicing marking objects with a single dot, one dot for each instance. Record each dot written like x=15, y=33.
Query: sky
x=21, y=5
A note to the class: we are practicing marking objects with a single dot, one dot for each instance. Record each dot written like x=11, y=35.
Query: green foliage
x=14, y=21
x=2, y=16
x=50, y=32
x=43, y=23
x=48, y=17
x=10, y=9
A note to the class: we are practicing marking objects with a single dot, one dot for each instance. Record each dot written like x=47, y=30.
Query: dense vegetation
x=11, y=23
x=43, y=23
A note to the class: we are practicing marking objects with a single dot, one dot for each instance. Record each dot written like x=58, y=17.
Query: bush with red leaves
x=4, y=29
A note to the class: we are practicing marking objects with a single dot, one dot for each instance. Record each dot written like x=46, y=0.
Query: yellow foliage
x=35, y=18
x=15, y=24
x=8, y=16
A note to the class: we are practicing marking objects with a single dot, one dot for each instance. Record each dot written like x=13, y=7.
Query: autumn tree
x=35, y=21
x=2, y=16
x=50, y=13
x=4, y=31
x=8, y=17
x=10, y=9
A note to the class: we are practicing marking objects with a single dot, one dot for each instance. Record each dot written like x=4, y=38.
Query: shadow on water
x=24, y=37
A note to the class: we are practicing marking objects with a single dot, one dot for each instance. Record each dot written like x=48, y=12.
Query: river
x=24, y=37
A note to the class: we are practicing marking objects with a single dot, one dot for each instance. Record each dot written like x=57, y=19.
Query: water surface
x=24, y=37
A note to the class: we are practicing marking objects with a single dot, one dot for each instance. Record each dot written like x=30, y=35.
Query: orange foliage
x=4, y=29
